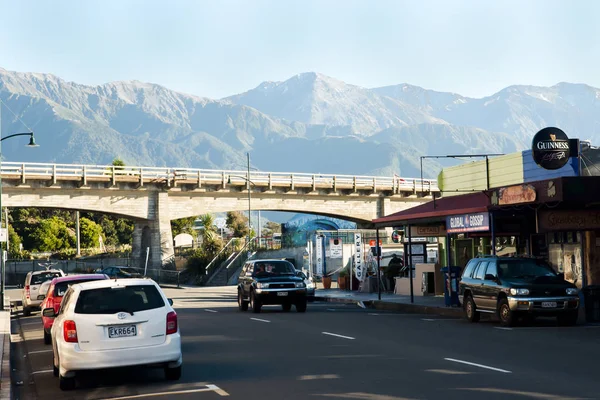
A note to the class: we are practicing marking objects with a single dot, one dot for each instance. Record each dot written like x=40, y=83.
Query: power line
x=16, y=116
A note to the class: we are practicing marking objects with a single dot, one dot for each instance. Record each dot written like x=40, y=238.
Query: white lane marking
x=259, y=320
x=314, y=377
x=217, y=390
x=478, y=365
x=437, y=319
x=46, y=371
x=448, y=371
x=15, y=338
x=331, y=309
x=503, y=328
x=373, y=313
x=40, y=351
x=208, y=388
x=207, y=310
x=336, y=335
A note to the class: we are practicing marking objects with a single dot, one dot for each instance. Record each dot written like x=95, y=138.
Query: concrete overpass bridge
x=153, y=196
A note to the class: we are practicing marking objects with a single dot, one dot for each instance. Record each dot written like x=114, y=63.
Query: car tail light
x=70, y=332
x=27, y=292
x=56, y=304
x=171, y=323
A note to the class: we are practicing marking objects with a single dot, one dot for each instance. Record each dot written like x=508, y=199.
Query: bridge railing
x=173, y=176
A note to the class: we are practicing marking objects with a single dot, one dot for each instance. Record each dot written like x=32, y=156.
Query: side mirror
x=490, y=277
x=170, y=301
x=48, y=312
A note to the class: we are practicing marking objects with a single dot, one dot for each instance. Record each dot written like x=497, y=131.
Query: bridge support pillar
x=156, y=235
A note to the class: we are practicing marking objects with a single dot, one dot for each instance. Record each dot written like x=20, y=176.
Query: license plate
x=122, y=331
x=282, y=293
x=548, y=304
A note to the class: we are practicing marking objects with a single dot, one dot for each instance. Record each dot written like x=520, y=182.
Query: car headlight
x=310, y=285
x=300, y=284
x=519, y=291
x=571, y=291
x=260, y=285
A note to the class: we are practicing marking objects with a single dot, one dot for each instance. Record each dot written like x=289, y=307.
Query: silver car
x=310, y=285
x=35, y=289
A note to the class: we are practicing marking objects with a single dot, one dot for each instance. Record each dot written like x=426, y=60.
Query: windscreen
x=43, y=277
x=274, y=268
x=61, y=287
x=112, y=300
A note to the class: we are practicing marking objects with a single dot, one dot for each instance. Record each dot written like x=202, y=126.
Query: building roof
x=437, y=210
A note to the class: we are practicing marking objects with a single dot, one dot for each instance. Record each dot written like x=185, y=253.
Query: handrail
x=224, y=177
x=254, y=239
x=218, y=255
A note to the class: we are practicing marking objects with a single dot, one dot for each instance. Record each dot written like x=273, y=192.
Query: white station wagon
x=114, y=323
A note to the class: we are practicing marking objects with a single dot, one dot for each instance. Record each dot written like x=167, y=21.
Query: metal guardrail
x=199, y=177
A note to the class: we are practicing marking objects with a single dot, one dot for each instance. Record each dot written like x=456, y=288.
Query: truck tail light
x=171, y=323
x=70, y=331
x=27, y=292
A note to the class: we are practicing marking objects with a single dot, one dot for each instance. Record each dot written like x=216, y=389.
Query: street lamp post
x=30, y=144
x=248, y=183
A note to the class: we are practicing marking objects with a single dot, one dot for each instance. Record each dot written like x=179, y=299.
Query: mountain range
x=308, y=123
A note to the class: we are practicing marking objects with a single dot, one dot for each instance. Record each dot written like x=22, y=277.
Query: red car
x=56, y=291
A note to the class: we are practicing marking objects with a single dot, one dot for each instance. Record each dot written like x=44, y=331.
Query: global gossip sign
x=468, y=223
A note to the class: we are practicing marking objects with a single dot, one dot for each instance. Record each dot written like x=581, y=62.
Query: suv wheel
x=286, y=306
x=301, y=306
x=47, y=337
x=506, y=315
x=66, y=383
x=568, y=319
x=242, y=304
x=173, y=374
x=470, y=310
x=254, y=303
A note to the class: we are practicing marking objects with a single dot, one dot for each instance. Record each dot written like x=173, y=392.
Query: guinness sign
x=551, y=148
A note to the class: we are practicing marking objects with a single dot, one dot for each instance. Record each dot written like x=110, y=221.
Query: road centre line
x=207, y=310
x=40, y=351
x=373, y=314
x=336, y=335
x=208, y=388
x=331, y=309
x=503, y=328
x=259, y=320
x=478, y=365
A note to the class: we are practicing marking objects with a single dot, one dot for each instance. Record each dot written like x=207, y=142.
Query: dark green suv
x=517, y=286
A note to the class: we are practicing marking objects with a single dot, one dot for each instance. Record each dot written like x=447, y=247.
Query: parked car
x=31, y=295
x=114, y=323
x=54, y=295
x=310, y=285
x=263, y=282
x=517, y=286
x=120, y=272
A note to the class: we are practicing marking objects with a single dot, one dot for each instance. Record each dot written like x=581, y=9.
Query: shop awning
x=438, y=210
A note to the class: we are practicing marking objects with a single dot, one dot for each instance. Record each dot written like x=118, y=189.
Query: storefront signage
x=358, y=256
x=335, y=248
x=427, y=231
x=319, y=251
x=468, y=223
x=514, y=195
x=564, y=220
x=550, y=148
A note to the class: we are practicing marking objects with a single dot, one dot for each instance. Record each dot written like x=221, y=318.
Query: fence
x=16, y=271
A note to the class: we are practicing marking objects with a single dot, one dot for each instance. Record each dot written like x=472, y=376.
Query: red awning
x=437, y=210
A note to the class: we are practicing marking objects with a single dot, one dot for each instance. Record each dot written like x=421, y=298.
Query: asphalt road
x=333, y=351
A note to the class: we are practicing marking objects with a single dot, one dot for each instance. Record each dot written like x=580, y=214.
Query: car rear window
x=61, y=287
x=112, y=300
x=43, y=277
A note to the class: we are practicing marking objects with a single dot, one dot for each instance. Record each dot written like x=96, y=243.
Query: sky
x=223, y=47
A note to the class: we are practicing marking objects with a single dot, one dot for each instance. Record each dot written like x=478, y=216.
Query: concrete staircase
x=220, y=278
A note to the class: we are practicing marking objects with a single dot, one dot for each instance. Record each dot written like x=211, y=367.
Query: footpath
x=390, y=302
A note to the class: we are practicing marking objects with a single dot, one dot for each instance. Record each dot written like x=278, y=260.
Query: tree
x=271, y=228
x=117, y=162
x=211, y=242
x=238, y=223
x=124, y=228
x=51, y=235
x=90, y=233
x=14, y=243
x=183, y=225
